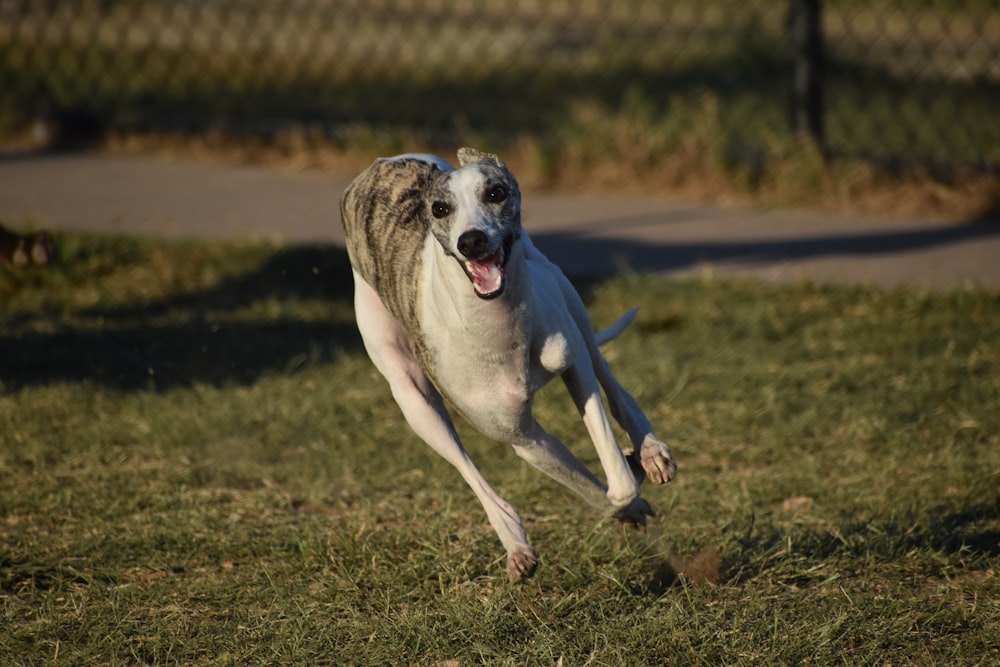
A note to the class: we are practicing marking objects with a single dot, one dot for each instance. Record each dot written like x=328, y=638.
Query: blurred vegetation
x=647, y=88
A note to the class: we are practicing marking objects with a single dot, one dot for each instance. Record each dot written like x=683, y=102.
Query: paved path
x=582, y=233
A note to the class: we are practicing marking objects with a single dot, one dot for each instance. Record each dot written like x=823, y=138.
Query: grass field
x=199, y=465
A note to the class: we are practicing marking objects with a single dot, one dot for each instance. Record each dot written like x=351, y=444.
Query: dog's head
x=475, y=214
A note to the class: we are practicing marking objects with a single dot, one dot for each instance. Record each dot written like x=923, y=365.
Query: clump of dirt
x=702, y=569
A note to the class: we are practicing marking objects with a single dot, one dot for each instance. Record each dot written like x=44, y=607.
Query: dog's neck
x=498, y=326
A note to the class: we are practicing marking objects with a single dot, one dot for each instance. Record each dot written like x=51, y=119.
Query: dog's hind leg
x=390, y=349
x=548, y=454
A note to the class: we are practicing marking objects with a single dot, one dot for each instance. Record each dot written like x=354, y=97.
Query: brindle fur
x=387, y=221
x=388, y=256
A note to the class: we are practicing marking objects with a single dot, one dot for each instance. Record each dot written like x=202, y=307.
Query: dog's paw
x=521, y=564
x=634, y=514
x=655, y=461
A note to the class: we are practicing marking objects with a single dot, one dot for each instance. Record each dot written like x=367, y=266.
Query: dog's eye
x=496, y=194
x=439, y=209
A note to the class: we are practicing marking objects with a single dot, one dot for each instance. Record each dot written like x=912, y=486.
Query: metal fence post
x=805, y=35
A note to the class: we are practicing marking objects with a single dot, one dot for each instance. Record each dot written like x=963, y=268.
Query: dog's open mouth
x=489, y=274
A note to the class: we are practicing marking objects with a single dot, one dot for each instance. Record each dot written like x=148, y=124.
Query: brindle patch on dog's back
x=385, y=221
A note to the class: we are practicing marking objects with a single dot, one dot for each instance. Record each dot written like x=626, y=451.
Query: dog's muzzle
x=486, y=270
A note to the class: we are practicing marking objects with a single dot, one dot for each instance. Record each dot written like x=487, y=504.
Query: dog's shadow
x=192, y=338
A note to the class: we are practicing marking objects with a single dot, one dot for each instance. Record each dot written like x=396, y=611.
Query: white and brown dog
x=453, y=300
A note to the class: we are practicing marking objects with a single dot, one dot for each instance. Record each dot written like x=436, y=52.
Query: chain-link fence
x=911, y=80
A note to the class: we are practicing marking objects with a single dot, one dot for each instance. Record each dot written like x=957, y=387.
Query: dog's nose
x=473, y=243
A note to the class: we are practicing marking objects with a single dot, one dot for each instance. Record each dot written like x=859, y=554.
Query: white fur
x=490, y=357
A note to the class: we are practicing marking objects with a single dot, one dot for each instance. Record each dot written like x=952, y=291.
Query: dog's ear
x=467, y=156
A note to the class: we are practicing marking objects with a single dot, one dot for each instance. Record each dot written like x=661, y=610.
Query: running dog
x=456, y=304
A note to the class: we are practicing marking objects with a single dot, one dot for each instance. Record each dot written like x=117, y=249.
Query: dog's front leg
x=652, y=456
x=623, y=488
x=426, y=414
x=390, y=350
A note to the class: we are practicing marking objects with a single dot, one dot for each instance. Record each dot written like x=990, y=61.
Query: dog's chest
x=483, y=368
x=491, y=352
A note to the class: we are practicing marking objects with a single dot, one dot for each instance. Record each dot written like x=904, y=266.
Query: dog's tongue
x=486, y=274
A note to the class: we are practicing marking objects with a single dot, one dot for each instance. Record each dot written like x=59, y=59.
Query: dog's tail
x=615, y=329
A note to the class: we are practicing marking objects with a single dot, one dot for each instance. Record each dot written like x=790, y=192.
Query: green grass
x=199, y=465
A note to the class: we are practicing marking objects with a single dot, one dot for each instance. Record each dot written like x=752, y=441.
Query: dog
x=455, y=304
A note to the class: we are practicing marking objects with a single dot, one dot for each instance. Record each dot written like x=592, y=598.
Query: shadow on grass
x=577, y=252
x=191, y=338
x=196, y=337
x=300, y=272
x=971, y=530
